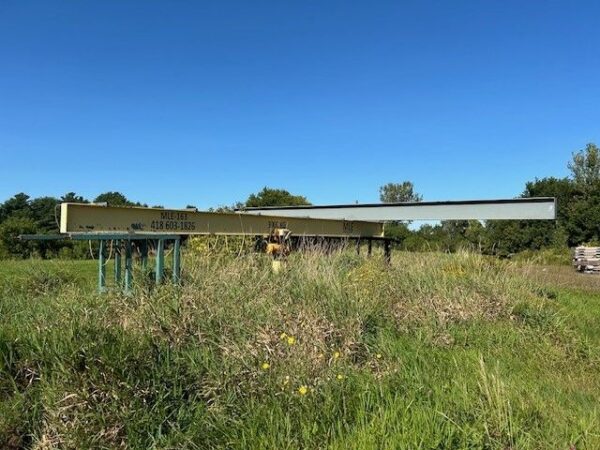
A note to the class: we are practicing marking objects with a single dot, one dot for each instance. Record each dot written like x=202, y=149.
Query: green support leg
x=144, y=254
x=128, y=267
x=118, y=263
x=160, y=260
x=176, y=261
x=387, y=251
x=101, y=268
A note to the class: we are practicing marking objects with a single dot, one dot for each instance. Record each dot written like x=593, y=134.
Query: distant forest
x=578, y=197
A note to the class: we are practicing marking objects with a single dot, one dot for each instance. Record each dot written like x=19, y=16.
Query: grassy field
x=339, y=351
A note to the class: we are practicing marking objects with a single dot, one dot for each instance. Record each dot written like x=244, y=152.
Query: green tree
x=427, y=238
x=397, y=230
x=113, y=199
x=10, y=244
x=447, y=236
x=399, y=193
x=72, y=197
x=505, y=237
x=461, y=234
x=583, y=225
x=18, y=205
x=563, y=189
x=585, y=168
x=275, y=197
x=44, y=213
x=579, y=213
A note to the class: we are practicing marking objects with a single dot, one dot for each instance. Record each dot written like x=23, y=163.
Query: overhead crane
x=124, y=225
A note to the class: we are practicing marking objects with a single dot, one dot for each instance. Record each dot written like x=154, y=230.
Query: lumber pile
x=587, y=259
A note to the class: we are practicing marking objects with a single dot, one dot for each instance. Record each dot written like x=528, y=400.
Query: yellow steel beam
x=80, y=217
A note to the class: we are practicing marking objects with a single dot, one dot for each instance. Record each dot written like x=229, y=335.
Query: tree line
x=578, y=217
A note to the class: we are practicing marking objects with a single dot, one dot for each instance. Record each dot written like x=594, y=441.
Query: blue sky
x=203, y=103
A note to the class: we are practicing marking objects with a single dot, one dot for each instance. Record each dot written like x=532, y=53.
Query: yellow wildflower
x=378, y=355
x=340, y=376
x=265, y=366
x=282, y=336
x=291, y=340
x=303, y=390
x=336, y=355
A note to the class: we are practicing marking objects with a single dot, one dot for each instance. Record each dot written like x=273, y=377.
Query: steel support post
x=176, y=261
x=101, y=267
x=144, y=254
x=369, y=247
x=358, y=246
x=387, y=251
x=128, y=267
x=160, y=260
x=117, y=253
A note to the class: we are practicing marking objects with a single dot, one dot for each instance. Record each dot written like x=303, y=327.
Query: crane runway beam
x=537, y=208
x=87, y=218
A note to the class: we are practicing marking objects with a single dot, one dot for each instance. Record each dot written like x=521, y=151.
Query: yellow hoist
x=279, y=243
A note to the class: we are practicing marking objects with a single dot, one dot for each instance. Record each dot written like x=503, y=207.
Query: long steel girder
x=538, y=208
x=90, y=218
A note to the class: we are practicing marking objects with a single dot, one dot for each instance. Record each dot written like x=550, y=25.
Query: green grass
x=439, y=351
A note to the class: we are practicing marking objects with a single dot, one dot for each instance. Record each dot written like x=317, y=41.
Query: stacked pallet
x=587, y=259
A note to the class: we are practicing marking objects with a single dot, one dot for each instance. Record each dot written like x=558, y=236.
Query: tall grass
x=335, y=351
